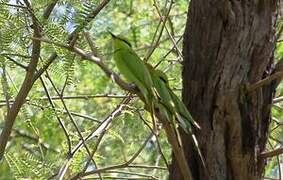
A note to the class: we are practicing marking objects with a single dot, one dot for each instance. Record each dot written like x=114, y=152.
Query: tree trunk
x=228, y=46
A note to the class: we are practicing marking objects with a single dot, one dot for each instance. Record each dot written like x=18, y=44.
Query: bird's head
x=120, y=42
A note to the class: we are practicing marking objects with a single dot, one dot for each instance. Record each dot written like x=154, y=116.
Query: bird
x=152, y=83
x=132, y=68
x=175, y=108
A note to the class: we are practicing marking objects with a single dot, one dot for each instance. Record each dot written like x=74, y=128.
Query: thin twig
x=105, y=124
x=17, y=55
x=146, y=167
x=153, y=47
x=123, y=165
x=156, y=136
x=14, y=5
x=277, y=100
x=133, y=173
x=164, y=21
x=72, y=37
x=22, y=133
x=91, y=45
x=60, y=176
x=49, y=9
x=83, y=97
x=16, y=62
x=58, y=118
x=96, y=132
x=172, y=48
x=278, y=161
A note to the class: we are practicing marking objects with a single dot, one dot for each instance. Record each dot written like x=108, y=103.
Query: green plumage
x=175, y=107
x=152, y=83
x=132, y=67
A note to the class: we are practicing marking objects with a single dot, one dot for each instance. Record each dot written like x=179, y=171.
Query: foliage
x=37, y=135
x=39, y=147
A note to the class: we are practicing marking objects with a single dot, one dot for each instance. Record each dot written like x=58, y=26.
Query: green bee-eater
x=170, y=100
x=133, y=68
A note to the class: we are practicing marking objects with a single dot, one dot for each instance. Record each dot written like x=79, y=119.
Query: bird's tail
x=186, y=126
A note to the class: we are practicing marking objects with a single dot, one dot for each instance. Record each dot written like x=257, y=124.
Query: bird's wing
x=183, y=110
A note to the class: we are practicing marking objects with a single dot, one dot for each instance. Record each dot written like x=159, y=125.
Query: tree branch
x=276, y=76
x=87, y=56
x=172, y=138
x=72, y=37
x=22, y=133
x=177, y=149
x=31, y=75
x=24, y=90
x=16, y=62
x=96, y=132
x=60, y=176
x=49, y=9
x=84, y=97
x=272, y=153
x=162, y=22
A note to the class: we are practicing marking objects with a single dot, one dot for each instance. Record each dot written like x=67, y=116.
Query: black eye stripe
x=164, y=80
x=125, y=42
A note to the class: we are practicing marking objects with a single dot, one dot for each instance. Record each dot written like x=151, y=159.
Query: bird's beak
x=113, y=36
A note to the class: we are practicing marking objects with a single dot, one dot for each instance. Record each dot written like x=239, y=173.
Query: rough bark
x=228, y=45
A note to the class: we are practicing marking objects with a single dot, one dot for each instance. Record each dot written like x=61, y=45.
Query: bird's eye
x=164, y=80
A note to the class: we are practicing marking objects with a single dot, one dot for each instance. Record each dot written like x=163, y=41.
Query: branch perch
x=172, y=137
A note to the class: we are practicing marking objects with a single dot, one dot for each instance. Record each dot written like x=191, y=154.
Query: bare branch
x=158, y=144
x=91, y=44
x=14, y=5
x=96, y=132
x=177, y=149
x=16, y=62
x=277, y=100
x=146, y=167
x=272, y=153
x=97, y=61
x=133, y=173
x=265, y=81
x=17, y=55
